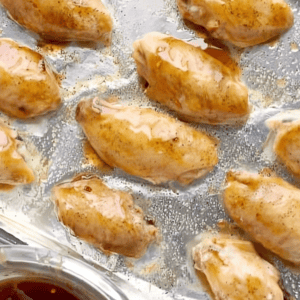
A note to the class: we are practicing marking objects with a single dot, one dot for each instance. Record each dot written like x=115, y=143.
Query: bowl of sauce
x=29, y=273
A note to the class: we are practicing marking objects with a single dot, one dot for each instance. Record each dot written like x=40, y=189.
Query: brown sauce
x=6, y=187
x=53, y=48
x=33, y=289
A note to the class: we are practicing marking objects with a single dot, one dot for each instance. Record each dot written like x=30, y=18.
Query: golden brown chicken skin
x=102, y=216
x=242, y=22
x=28, y=86
x=146, y=143
x=235, y=271
x=186, y=79
x=63, y=20
x=268, y=208
x=287, y=142
x=13, y=168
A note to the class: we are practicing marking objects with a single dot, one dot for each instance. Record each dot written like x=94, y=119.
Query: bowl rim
x=23, y=260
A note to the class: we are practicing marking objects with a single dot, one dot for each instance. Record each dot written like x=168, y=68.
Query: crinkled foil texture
x=272, y=74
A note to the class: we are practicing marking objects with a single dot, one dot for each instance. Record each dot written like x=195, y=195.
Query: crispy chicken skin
x=63, y=20
x=242, y=22
x=235, y=271
x=186, y=79
x=287, y=141
x=146, y=143
x=104, y=217
x=28, y=86
x=268, y=208
x=13, y=169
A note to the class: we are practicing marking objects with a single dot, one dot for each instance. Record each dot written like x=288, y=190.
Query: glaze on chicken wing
x=28, y=87
x=235, y=271
x=13, y=168
x=199, y=87
x=104, y=217
x=145, y=143
x=268, y=208
x=63, y=20
x=242, y=22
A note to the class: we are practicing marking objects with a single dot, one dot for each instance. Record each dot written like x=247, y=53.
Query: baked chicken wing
x=286, y=146
x=104, y=217
x=63, y=20
x=13, y=168
x=28, y=87
x=242, y=22
x=268, y=208
x=235, y=271
x=199, y=87
x=146, y=143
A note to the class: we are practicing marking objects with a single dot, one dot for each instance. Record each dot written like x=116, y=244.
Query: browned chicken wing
x=268, y=208
x=13, y=169
x=185, y=78
x=63, y=20
x=28, y=86
x=146, y=143
x=287, y=140
x=242, y=22
x=235, y=271
x=104, y=217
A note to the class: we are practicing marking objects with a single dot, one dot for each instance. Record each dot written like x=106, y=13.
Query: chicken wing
x=242, y=22
x=268, y=208
x=63, y=20
x=146, y=143
x=13, y=169
x=104, y=217
x=191, y=82
x=28, y=86
x=287, y=141
x=235, y=271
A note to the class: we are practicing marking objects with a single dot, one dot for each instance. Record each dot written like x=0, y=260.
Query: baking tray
x=57, y=147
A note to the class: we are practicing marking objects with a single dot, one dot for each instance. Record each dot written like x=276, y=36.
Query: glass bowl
x=19, y=262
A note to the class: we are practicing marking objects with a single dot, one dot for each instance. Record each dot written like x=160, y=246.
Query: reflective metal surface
x=272, y=74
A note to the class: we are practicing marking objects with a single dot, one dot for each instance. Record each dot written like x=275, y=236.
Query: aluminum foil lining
x=55, y=144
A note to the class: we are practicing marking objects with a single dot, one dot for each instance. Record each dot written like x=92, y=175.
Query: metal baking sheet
x=56, y=151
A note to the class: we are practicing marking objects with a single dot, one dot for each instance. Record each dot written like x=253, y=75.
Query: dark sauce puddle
x=33, y=289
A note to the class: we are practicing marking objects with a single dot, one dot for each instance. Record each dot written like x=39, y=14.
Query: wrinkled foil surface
x=55, y=143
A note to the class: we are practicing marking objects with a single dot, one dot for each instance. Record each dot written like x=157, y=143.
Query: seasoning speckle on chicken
x=199, y=87
x=286, y=146
x=13, y=168
x=268, y=208
x=146, y=143
x=242, y=22
x=235, y=271
x=28, y=86
x=63, y=20
x=104, y=217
